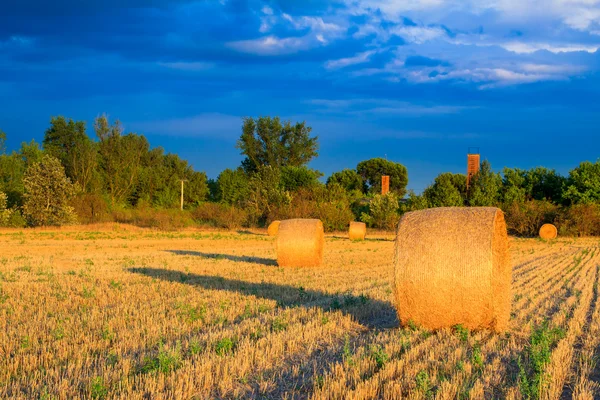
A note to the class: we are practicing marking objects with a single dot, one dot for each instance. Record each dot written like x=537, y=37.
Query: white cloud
x=272, y=45
x=528, y=48
x=418, y=34
x=344, y=62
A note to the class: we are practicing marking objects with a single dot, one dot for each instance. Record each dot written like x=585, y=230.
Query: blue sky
x=416, y=81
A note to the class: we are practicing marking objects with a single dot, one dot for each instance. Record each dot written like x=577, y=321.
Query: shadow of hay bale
x=217, y=256
x=368, y=312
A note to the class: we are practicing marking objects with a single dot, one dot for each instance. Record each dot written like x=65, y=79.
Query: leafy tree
x=372, y=170
x=233, y=187
x=266, y=192
x=545, y=184
x=2, y=142
x=48, y=192
x=122, y=159
x=5, y=212
x=63, y=140
x=265, y=141
x=485, y=187
x=383, y=211
x=294, y=178
x=12, y=170
x=583, y=184
x=447, y=190
x=414, y=203
x=515, y=186
x=349, y=179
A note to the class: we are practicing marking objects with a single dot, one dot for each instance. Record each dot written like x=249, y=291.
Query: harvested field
x=133, y=314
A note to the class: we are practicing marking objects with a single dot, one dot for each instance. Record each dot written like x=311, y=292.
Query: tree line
x=116, y=176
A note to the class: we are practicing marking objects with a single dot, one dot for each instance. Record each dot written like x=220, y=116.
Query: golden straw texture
x=357, y=230
x=300, y=243
x=452, y=267
x=548, y=231
x=273, y=228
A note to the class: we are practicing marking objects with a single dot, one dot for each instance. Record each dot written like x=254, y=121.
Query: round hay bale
x=300, y=243
x=548, y=231
x=452, y=266
x=273, y=228
x=357, y=230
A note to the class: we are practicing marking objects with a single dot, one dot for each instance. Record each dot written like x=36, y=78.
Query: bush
x=90, y=208
x=580, y=220
x=332, y=207
x=525, y=219
x=383, y=212
x=220, y=215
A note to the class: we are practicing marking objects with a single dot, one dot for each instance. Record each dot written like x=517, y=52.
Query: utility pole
x=182, y=180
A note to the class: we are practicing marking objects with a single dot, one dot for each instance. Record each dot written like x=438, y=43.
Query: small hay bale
x=452, y=266
x=548, y=231
x=273, y=228
x=300, y=243
x=357, y=230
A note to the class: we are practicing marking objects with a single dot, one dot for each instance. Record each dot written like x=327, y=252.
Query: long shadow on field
x=217, y=256
x=366, y=311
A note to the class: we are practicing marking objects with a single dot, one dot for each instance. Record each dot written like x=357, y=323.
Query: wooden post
x=182, y=194
x=385, y=184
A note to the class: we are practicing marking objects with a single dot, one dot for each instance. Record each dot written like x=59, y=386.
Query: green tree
x=63, y=140
x=349, y=179
x=48, y=192
x=515, y=186
x=583, y=184
x=122, y=158
x=545, y=184
x=372, y=170
x=12, y=170
x=2, y=142
x=265, y=141
x=294, y=178
x=232, y=187
x=266, y=192
x=447, y=190
x=383, y=212
x=485, y=187
x=5, y=212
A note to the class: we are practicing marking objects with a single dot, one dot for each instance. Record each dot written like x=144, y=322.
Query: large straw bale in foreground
x=300, y=243
x=548, y=231
x=273, y=228
x=357, y=230
x=452, y=267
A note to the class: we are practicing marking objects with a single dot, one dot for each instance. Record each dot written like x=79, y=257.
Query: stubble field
x=117, y=312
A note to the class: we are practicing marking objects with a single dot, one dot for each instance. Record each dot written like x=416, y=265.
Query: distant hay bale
x=452, y=266
x=300, y=243
x=548, y=231
x=357, y=230
x=273, y=228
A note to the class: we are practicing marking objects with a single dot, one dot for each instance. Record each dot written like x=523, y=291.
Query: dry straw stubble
x=548, y=231
x=300, y=243
x=452, y=267
x=273, y=228
x=357, y=230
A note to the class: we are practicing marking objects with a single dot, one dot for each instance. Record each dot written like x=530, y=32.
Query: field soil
x=119, y=312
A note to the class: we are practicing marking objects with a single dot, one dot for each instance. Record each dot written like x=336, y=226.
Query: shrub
x=525, y=219
x=383, y=212
x=580, y=220
x=220, y=215
x=90, y=208
x=5, y=214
